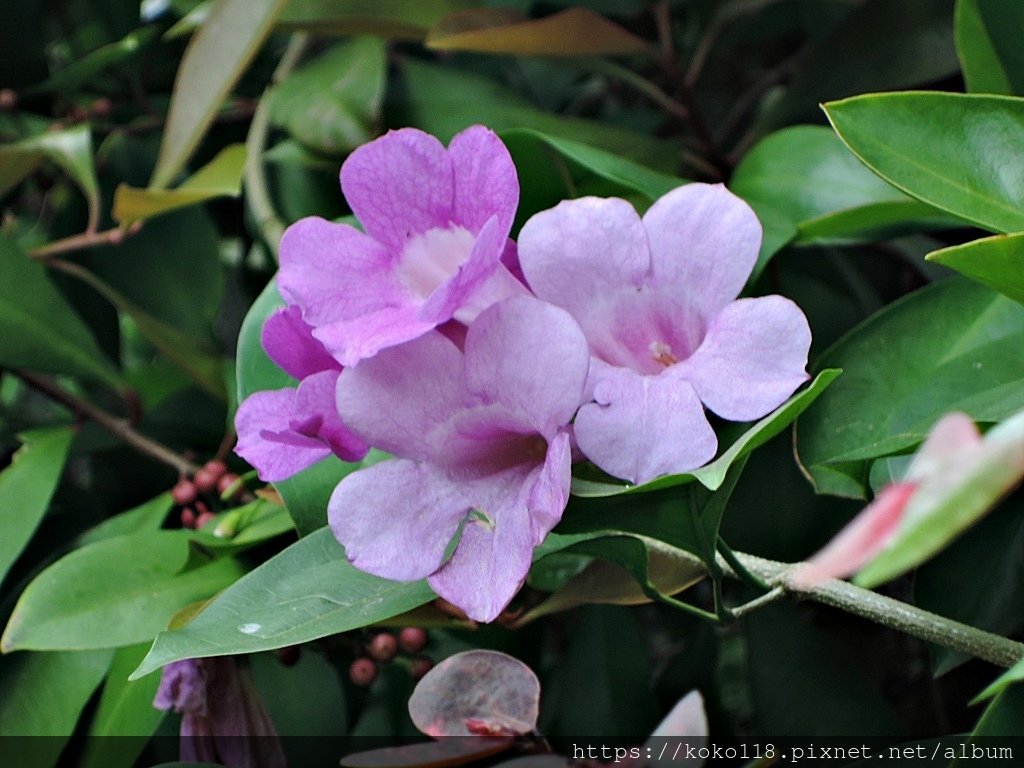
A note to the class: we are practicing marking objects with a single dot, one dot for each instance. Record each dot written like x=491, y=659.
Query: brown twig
x=117, y=426
x=112, y=236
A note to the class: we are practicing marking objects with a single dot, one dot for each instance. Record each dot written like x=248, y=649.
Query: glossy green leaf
x=572, y=32
x=26, y=487
x=399, y=19
x=332, y=104
x=70, y=149
x=221, y=177
x=40, y=330
x=305, y=592
x=942, y=508
x=113, y=593
x=442, y=101
x=244, y=526
x=254, y=370
x=42, y=694
x=1012, y=676
x=86, y=68
x=988, y=44
x=712, y=475
x=957, y=152
x=998, y=262
x=125, y=716
x=952, y=346
x=806, y=179
x=214, y=60
x=146, y=517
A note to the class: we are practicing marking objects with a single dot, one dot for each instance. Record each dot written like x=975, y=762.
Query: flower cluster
x=486, y=369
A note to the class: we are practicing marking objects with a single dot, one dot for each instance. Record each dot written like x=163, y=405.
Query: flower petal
x=550, y=491
x=400, y=400
x=289, y=342
x=396, y=519
x=704, y=242
x=642, y=427
x=399, y=185
x=494, y=554
x=485, y=180
x=362, y=337
x=335, y=272
x=531, y=358
x=266, y=439
x=316, y=398
x=752, y=358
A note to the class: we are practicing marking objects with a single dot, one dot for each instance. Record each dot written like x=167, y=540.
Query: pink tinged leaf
x=486, y=183
x=944, y=448
x=704, y=242
x=530, y=358
x=289, y=342
x=485, y=688
x=267, y=440
x=396, y=519
x=642, y=427
x=864, y=537
x=752, y=358
x=399, y=185
x=446, y=753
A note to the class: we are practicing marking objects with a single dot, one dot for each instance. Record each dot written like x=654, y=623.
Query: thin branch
x=118, y=427
x=87, y=239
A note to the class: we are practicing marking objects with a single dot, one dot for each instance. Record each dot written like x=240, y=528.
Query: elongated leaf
x=145, y=517
x=957, y=152
x=307, y=591
x=1002, y=717
x=40, y=330
x=43, y=695
x=398, y=19
x=86, y=68
x=70, y=149
x=125, y=717
x=1013, y=675
x=988, y=44
x=712, y=475
x=26, y=487
x=221, y=177
x=998, y=262
x=214, y=60
x=572, y=32
x=332, y=104
x=952, y=346
x=113, y=593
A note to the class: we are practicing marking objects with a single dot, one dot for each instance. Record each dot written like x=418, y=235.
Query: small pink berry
x=183, y=493
x=205, y=482
x=226, y=481
x=383, y=647
x=362, y=672
x=215, y=467
x=188, y=518
x=412, y=639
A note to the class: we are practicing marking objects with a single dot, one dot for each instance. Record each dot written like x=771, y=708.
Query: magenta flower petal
x=335, y=272
x=289, y=342
x=752, y=358
x=704, y=242
x=401, y=399
x=485, y=180
x=494, y=553
x=267, y=440
x=399, y=184
x=530, y=358
x=641, y=427
x=364, y=336
x=315, y=400
x=416, y=512
x=550, y=491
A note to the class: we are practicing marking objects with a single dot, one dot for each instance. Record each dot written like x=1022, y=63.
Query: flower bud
x=412, y=640
x=362, y=672
x=183, y=493
x=383, y=647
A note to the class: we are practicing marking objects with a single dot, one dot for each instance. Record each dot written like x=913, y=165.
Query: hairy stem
x=118, y=427
x=883, y=610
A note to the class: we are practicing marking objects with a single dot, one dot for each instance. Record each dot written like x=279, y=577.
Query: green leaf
x=86, y=68
x=332, y=104
x=113, y=593
x=70, y=149
x=221, y=177
x=125, y=717
x=400, y=19
x=713, y=475
x=988, y=44
x=960, y=153
x=254, y=370
x=572, y=32
x=43, y=695
x=951, y=346
x=1003, y=717
x=942, y=508
x=40, y=330
x=213, y=62
x=997, y=262
x=307, y=591
x=443, y=101
x=26, y=487
x=1014, y=674
x=148, y=516
x=805, y=181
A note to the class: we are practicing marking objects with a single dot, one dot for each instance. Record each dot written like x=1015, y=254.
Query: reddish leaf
x=476, y=692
